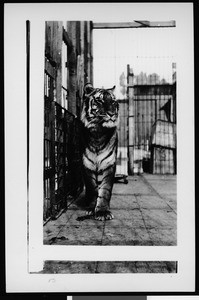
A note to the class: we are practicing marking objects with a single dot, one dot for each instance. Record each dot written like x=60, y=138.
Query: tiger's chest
x=97, y=157
x=98, y=162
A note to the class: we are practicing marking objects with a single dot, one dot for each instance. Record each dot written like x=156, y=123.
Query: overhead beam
x=134, y=24
x=163, y=24
x=144, y=23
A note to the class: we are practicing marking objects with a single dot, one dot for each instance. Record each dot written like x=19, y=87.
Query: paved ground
x=72, y=267
x=144, y=214
x=144, y=211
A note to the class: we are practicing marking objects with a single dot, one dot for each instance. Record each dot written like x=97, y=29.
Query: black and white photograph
x=110, y=139
x=107, y=104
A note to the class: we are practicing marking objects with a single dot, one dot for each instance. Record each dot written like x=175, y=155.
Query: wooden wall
x=77, y=35
x=80, y=62
x=53, y=49
x=148, y=101
x=147, y=104
x=68, y=66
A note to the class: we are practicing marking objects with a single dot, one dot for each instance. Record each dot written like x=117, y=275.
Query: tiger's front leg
x=91, y=191
x=102, y=209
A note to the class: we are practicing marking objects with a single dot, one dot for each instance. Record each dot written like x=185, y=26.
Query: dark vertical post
x=52, y=156
x=91, y=50
x=28, y=89
x=131, y=126
x=72, y=68
x=58, y=52
x=86, y=77
x=78, y=67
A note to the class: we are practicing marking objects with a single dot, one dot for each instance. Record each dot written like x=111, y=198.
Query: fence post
x=131, y=128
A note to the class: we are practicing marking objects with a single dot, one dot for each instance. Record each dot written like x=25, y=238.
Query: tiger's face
x=100, y=107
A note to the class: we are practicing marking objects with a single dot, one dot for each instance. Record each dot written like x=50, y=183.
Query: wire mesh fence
x=62, y=161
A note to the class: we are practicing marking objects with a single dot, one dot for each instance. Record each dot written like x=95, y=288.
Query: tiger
x=99, y=118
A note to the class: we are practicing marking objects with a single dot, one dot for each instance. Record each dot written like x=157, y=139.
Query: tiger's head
x=100, y=107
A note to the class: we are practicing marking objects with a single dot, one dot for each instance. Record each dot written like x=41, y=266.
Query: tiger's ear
x=112, y=89
x=88, y=88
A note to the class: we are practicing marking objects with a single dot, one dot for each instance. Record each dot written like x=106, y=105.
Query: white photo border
x=22, y=260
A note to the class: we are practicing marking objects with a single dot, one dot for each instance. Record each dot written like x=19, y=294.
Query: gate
x=152, y=124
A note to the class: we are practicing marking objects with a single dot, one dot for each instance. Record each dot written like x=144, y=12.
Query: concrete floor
x=145, y=214
x=86, y=267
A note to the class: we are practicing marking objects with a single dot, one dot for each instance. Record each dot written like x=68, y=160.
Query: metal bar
x=28, y=92
x=134, y=24
x=91, y=52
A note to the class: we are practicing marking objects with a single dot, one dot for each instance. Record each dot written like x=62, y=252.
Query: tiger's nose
x=110, y=113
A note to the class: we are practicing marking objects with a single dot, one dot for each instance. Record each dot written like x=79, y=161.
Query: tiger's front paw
x=90, y=212
x=103, y=215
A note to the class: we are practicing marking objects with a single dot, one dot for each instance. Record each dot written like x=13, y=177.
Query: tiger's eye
x=99, y=102
x=101, y=97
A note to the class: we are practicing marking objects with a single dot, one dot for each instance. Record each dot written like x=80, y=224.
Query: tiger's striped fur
x=100, y=119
